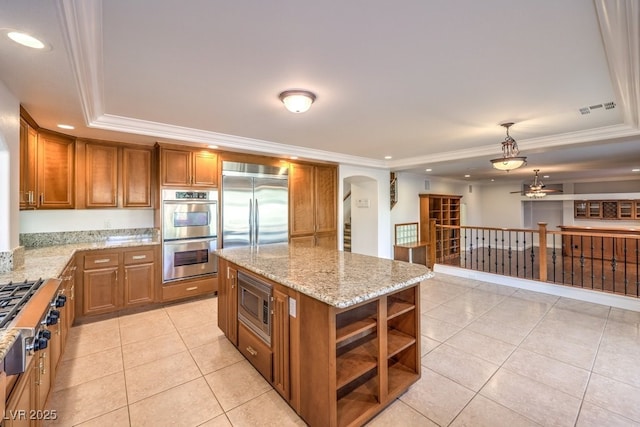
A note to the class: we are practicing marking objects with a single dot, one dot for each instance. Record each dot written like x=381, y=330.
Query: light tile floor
x=491, y=356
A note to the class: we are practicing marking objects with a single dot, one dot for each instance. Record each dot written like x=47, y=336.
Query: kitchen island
x=344, y=328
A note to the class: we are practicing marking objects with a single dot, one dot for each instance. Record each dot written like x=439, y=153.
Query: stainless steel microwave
x=254, y=305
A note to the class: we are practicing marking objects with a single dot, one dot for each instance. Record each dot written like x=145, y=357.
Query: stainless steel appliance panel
x=254, y=204
x=189, y=214
x=237, y=210
x=188, y=258
x=271, y=211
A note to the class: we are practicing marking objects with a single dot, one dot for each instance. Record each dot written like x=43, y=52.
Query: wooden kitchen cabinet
x=228, y=300
x=445, y=209
x=22, y=399
x=188, y=167
x=136, y=177
x=101, y=176
x=47, y=169
x=28, y=165
x=113, y=175
x=280, y=342
x=116, y=279
x=101, y=286
x=313, y=193
x=139, y=277
x=607, y=209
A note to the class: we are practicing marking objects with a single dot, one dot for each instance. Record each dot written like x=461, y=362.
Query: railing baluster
x=581, y=262
x=495, y=233
x=613, y=262
x=553, y=257
x=502, y=231
x=524, y=250
x=533, y=256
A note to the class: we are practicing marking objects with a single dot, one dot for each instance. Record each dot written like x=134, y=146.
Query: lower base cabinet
x=334, y=367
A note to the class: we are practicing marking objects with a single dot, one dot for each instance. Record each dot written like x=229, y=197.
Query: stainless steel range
x=28, y=308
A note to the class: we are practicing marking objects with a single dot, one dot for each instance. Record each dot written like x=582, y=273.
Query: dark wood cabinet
x=23, y=398
x=606, y=209
x=313, y=193
x=188, y=167
x=101, y=286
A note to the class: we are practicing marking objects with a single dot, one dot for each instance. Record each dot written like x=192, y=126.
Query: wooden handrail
x=347, y=196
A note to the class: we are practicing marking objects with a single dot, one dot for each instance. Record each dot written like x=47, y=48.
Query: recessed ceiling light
x=212, y=146
x=492, y=179
x=635, y=170
x=26, y=40
x=62, y=126
x=293, y=157
x=428, y=170
x=545, y=176
x=388, y=157
x=467, y=176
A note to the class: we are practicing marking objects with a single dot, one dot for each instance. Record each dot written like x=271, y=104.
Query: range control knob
x=45, y=333
x=52, y=317
x=60, y=301
x=41, y=341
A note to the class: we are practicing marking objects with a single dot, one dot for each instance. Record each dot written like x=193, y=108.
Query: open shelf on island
x=354, y=322
x=398, y=307
x=400, y=377
x=356, y=361
x=354, y=329
x=398, y=341
x=358, y=402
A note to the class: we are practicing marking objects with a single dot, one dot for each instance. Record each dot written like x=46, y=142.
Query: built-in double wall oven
x=189, y=233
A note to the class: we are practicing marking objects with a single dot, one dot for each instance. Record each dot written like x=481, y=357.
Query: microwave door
x=271, y=210
x=237, y=198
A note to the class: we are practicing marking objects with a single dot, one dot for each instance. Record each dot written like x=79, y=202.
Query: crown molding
x=231, y=142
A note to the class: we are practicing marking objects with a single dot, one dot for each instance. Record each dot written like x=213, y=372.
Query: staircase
x=347, y=237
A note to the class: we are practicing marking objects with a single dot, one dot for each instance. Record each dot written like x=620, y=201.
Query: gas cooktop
x=14, y=297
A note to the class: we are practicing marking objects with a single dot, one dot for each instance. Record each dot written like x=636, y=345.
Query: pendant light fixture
x=297, y=101
x=510, y=159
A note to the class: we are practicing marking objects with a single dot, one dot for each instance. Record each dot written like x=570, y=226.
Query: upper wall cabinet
x=188, y=167
x=606, y=209
x=46, y=169
x=112, y=175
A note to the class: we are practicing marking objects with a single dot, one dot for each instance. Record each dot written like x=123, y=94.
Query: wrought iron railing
x=606, y=262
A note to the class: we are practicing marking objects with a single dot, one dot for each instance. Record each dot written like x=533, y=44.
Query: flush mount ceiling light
x=297, y=101
x=510, y=159
x=25, y=40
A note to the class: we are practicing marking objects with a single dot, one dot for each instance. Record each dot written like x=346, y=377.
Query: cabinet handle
x=41, y=198
x=43, y=368
x=73, y=292
x=252, y=351
x=138, y=257
x=193, y=288
x=116, y=272
x=102, y=260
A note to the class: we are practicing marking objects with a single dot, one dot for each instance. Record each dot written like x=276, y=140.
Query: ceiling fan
x=537, y=189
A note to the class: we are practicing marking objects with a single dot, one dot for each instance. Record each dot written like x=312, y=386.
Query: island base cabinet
x=354, y=362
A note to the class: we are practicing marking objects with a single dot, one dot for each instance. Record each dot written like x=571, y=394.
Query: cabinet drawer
x=142, y=256
x=189, y=289
x=100, y=260
x=256, y=351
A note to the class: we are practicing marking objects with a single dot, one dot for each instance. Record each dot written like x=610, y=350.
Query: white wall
x=500, y=208
x=365, y=209
x=9, y=168
x=56, y=220
x=382, y=228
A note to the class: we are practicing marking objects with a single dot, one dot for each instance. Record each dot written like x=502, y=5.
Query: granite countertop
x=340, y=279
x=49, y=261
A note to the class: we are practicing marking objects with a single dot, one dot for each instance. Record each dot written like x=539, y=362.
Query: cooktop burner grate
x=13, y=297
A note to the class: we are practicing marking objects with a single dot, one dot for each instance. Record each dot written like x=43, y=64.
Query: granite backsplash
x=37, y=240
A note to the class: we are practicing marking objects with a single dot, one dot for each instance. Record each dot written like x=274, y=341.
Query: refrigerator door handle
x=257, y=226
x=250, y=222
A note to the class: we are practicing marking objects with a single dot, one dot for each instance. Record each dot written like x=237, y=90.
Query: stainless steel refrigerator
x=255, y=201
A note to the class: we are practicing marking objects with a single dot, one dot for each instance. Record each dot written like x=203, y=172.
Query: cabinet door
x=55, y=172
x=175, y=167
x=325, y=198
x=301, y=200
x=55, y=343
x=22, y=399
x=43, y=377
x=303, y=241
x=228, y=302
x=101, y=176
x=28, y=165
x=327, y=240
x=138, y=284
x=280, y=343
x=205, y=169
x=136, y=177
x=100, y=291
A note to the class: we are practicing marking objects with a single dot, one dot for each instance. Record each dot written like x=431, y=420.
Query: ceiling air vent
x=607, y=106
